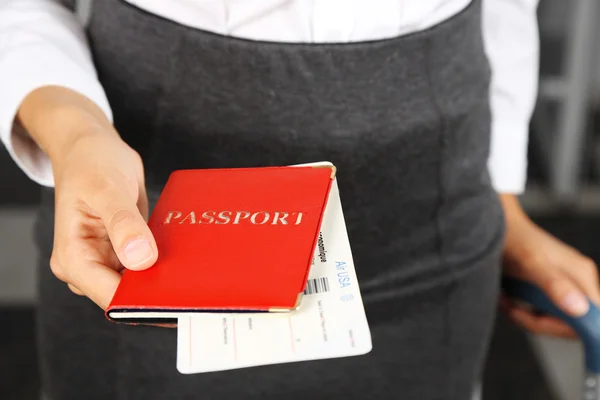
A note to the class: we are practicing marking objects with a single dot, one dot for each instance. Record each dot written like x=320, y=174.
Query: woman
x=411, y=100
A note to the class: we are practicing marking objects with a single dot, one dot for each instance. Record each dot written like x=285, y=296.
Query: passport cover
x=229, y=240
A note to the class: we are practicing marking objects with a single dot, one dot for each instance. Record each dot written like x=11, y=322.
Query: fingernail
x=576, y=303
x=137, y=252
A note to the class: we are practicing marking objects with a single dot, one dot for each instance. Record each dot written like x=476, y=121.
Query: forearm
x=518, y=225
x=44, y=45
x=512, y=207
x=55, y=117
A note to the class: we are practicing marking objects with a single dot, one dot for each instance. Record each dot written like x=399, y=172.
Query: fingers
x=98, y=282
x=100, y=225
x=561, y=289
x=569, y=279
x=527, y=319
x=142, y=202
x=94, y=280
x=541, y=325
x=584, y=273
x=75, y=290
x=127, y=229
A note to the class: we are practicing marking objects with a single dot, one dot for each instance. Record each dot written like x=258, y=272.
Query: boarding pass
x=330, y=322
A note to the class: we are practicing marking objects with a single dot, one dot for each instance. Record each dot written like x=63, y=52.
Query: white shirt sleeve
x=41, y=43
x=510, y=31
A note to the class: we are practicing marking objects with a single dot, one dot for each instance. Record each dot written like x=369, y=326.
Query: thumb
x=561, y=290
x=129, y=234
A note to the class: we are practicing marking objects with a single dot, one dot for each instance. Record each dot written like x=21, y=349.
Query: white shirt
x=42, y=43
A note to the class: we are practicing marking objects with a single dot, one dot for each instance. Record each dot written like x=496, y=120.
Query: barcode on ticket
x=317, y=285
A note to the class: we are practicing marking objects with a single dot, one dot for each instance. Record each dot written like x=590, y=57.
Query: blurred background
x=563, y=196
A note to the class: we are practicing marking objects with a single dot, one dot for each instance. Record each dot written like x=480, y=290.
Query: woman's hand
x=100, y=197
x=564, y=274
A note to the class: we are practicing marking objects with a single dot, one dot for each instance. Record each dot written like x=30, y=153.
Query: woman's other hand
x=568, y=277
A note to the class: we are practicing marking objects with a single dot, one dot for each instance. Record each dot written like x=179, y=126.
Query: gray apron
x=406, y=121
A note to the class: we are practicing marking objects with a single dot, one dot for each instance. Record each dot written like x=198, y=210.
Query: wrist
x=512, y=208
x=518, y=227
x=71, y=125
x=56, y=118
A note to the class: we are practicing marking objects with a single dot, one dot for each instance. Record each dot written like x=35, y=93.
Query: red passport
x=229, y=240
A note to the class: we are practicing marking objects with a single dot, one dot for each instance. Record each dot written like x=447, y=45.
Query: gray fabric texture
x=407, y=122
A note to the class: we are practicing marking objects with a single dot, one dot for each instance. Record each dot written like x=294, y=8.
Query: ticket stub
x=329, y=323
